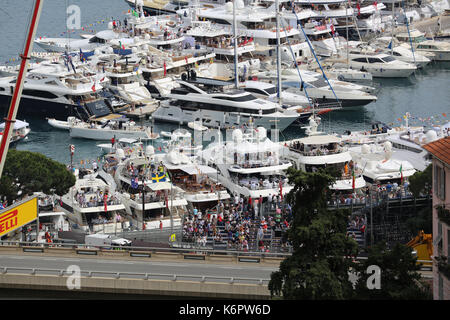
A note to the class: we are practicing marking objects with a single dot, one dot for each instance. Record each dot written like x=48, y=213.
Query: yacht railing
x=316, y=151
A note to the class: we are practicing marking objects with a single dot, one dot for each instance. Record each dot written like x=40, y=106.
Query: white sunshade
x=160, y=186
x=320, y=139
x=198, y=168
x=247, y=147
x=17, y=125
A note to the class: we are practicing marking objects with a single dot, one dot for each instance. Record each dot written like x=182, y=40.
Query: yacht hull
x=216, y=118
x=41, y=108
x=104, y=134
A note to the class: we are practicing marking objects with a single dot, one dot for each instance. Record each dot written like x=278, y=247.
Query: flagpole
x=15, y=101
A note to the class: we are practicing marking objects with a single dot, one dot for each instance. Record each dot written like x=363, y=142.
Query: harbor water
x=425, y=94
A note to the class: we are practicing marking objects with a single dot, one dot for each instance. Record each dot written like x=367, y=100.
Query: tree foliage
x=421, y=182
x=33, y=172
x=399, y=277
x=318, y=267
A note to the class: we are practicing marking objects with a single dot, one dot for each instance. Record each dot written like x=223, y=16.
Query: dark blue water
x=425, y=94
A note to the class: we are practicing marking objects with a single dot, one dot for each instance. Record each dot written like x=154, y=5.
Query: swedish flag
x=159, y=177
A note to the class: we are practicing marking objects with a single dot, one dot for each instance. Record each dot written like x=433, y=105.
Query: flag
x=134, y=183
x=165, y=70
x=401, y=173
x=93, y=87
x=281, y=189
x=390, y=45
x=105, y=201
x=359, y=8
x=332, y=29
x=375, y=4
x=186, y=58
x=353, y=179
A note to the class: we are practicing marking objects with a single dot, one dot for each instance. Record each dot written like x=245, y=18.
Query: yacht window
x=374, y=60
x=363, y=60
x=396, y=54
x=388, y=59
x=247, y=97
x=271, y=90
x=53, y=82
x=254, y=90
x=39, y=93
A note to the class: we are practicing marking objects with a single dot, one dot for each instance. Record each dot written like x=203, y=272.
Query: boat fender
x=340, y=77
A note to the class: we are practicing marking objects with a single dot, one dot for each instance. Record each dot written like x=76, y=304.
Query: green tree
x=318, y=267
x=421, y=182
x=30, y=172
x=399, y=277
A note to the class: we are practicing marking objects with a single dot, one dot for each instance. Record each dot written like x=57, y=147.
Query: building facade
x=440, y=150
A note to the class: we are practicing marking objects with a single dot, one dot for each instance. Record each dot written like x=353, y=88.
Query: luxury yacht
x=20, y=130
x=318, y=89
x=321, y=151
x=248, y=164
x=380, y=65
x=217, y=104
x=100, y=39
x=50, y=90
x=199, y=190
x=401, y=52
x=439, y=49
x=94, y=205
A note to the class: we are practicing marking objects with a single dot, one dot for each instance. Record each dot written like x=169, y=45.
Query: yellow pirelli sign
x=18, y=215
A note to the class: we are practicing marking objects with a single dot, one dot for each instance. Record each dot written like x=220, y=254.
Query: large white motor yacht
x=248, y=164
x=321, y=151
x=218, y=105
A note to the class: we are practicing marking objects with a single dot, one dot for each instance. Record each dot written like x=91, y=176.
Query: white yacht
x=380, y=65
x=50, y=90
x=248, y=164
x=321, y=151
x=100, y=39
x=318, y=89
x=380, y=167
x=106, y=128
x=162, y=201
x=214, y=102
x=94, y=205
x=439, y=49
x=265, y=90
x=199, y=190
x=258, y=23
x=20, y=131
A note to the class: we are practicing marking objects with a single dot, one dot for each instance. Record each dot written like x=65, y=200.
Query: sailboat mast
x=277, y=8
x=236, y=57
x=392, y=29
x=15, y=101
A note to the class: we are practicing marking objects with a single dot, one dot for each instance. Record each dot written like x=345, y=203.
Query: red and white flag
x=93, y=87
x=105, y=202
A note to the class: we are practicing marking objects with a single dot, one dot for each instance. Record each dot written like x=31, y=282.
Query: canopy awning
x=160, y=186
x=17, y=125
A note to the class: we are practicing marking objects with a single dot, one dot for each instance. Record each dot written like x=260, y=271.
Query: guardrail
x=134, y=275
x=147, y=252
x=38, y=247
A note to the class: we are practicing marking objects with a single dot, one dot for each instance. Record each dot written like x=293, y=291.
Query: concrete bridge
x=155, y=272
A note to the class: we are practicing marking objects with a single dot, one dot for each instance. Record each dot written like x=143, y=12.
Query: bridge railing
x=38, y=247
x=134, y=275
